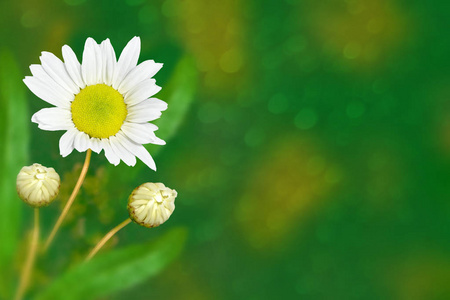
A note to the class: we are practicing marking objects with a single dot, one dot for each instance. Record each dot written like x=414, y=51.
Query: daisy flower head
x=103, y=103
x=151, y=204
x=37, y=185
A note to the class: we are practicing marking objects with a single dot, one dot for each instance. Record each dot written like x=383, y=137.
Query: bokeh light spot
x=209, y=112
x=306, y=119
x=230, y=155
x=278, y=103
x=355, y=109
x=231, y=61
x=352, y=50
x=134, y=2
x=295, y=44
x=148, y=14
x=362, y=33
x=169, y=8
x=30, y=19
x=74, y=2
x=254, y=137
x=316, y=165
x=333, y=175
x=281, y=193
x=375, y=25
x=232, y=115
x=379, y=87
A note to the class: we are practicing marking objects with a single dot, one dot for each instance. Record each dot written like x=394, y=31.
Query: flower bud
x=37, y=185
x=151, y=204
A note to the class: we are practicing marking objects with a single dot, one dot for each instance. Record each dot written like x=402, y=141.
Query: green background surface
x=311, y=153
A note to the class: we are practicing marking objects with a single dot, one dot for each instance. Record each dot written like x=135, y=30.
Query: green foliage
x=117, y=270
x=13, y=155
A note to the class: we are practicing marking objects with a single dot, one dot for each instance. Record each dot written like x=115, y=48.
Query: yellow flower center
x=99, y=110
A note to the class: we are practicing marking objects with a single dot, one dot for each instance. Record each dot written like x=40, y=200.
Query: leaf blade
x=117, y=270
x=14, y=143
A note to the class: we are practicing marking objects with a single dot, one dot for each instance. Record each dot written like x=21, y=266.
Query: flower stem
x=26, y=272
x=106, y=238
x=71, y=199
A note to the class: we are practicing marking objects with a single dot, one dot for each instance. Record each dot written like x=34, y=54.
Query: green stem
x=106, y=238
x=70, y=201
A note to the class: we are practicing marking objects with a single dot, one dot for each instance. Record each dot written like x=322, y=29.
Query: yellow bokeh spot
x=420, y=274
x=363, y=33
x=218, y=50
x=99, y=110
x=292, y=180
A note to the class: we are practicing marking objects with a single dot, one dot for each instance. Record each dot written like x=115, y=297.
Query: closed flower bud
x=151, y=204
x=37, y=185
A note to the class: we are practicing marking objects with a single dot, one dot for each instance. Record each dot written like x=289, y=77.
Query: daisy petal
x=146, y=111
x=66, y=142
x=81, y=142
x=144, y=70
x=143, y=155
x=138, y=150
x=54, y=118
x=109, y=61
x=54, y=67
x=95, y=145
x=141, y=133
x=39, y=72
x=142, y=91
x=128, y=60
x=46, y=92
x=73, y=66
x=91, y=67
x=111, y=156
x=122, y=152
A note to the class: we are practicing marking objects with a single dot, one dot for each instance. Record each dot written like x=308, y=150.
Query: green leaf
x=179, y=94
x=14, y=139
x=117, y=270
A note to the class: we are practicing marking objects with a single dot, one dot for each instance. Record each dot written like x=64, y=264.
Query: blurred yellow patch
x=360, y=32
x=387, y=176
x=421, y=276
x=214, y=32
x=287, y=185
x=188, y=282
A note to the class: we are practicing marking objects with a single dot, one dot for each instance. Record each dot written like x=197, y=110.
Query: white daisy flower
x=102, y=103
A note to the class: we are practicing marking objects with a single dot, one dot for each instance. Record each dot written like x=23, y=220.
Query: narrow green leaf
x=14, y=139
x=117, y=270
x=179, y=94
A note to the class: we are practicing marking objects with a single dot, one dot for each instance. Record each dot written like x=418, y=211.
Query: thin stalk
x=70, y=201
x=29, y=263
x=106, y=238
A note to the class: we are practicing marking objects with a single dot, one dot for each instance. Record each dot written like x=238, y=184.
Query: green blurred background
x=309, y=142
